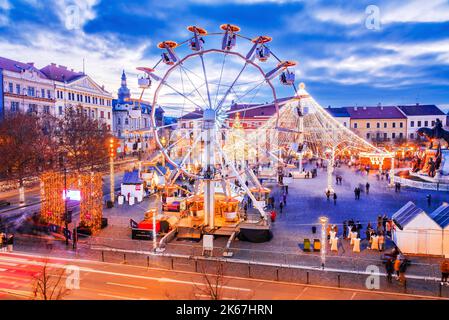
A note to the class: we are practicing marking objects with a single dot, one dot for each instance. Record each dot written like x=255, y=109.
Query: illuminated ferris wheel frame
x=229, y=35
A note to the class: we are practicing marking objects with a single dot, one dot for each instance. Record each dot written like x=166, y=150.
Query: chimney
x=63, y=67
x=53, y=64
x=31, y=63
x=364, y=108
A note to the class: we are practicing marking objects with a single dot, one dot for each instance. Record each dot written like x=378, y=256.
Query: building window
x=119, y=121
x=47, y=109
x=367, y=135
x=433, y=123
x=412, y=124
x=368, y=125
x=412, y=135
x=48, y=94
x=11, y=86
x=378, y=135
x=32, y=108
x=385, y=124
x=31, y=91
x=385, y=135
x=126, y=121
x=426, y=123
x=400, y=135
x=17, y=88
x=401, y=124
x=42, y=93
x=419, y=123
x=393, y=135
x=102, y=114
x=344, y=123
x=14, y=106
x=60, y=110
x=393, y=124
x=378, y=125
x=355, y=125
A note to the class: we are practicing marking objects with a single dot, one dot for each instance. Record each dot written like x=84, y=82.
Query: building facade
x=380, y=124
x=26, y=88
x=419, y=116
x=341, y=115
x=132, y=120
x=78, y=89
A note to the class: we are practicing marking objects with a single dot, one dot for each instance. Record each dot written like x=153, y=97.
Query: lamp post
x=323, y=222
x=111, y=169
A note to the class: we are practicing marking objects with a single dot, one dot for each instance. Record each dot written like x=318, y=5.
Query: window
x=14, y=106
x=11, y=86
x=31, y=91
x=109, y=115
x=17, y=88
x=419, y=123
x=119, y=121
x=400, y=135
x=367, y=135
x=426, y=123
x=378, y=125
x=412, y=124
x=412, y=135
x=401, y=124
x=344, y=123
x=42, y=93
x=355, y=125
x=385, y=135
x=378, y=135
x=60, y=110
x=48, y=94
x=393, y=135
x=47, y=109
x=126, y=121
x=93, y=114
x=102, y=114
x=32, y=108
x=393, y=124
x=433, y=123
x=385, y=124
x=368, y=125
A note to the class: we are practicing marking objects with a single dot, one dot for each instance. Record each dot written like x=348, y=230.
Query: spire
x=123, y=76
x=123, y=91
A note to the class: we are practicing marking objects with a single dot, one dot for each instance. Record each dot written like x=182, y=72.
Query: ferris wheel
x=219, y=86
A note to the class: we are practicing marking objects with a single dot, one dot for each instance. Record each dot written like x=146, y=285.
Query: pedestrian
x=328, y=194
x=345, y=229
x=429, y=200
x=1, y=241
x=367, y=187
x=355, y=193
x=444, y=272
x=368, y=232
x=10, y=243
x=397, y=264
x=281, y=206
x=381, y=241
x=335, y=198
x=284, y=199
x=389, y=267
x=358, y=228
x=402, y=271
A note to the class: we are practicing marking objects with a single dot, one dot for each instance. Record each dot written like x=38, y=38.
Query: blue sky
x=403, y=59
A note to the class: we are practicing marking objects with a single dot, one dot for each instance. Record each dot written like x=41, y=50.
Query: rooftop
x=17, y=66
x=406, y=214
x=61, y=73
x=421, y=110
x=441, y=215
x=338, y=112
x=379, y=112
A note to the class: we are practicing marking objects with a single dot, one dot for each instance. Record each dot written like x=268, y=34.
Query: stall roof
x=406, y=214
x=132, y=177
x=441, y=215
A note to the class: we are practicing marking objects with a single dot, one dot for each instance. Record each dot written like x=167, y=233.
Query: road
x=107, y=281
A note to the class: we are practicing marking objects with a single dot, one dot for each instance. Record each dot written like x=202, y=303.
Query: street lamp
x=323, y=222
x=112, y=150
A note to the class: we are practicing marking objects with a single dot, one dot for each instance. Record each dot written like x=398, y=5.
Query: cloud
x=74, y=14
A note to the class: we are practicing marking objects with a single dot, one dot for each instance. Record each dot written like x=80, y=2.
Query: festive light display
x=91, y=206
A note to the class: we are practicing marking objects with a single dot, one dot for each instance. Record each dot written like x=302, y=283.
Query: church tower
x=123, y=91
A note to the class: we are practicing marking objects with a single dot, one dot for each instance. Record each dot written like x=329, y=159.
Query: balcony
x=25, y=96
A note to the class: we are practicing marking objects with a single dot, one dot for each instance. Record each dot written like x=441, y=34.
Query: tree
x=49, y=284
x=25, y=148
x=82, y=141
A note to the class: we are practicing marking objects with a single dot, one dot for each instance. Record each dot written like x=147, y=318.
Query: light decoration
x=87, y=187
x=323, y=222
x=91, y=206
x=112, y=153
x=235, y=146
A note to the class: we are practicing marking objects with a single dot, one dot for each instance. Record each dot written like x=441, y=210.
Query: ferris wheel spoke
x=205, y=79
x=181, y=94
x=217, y=109
x=221, y=76
x=193, y=85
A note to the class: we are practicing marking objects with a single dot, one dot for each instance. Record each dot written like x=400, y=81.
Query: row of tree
x=32, y=144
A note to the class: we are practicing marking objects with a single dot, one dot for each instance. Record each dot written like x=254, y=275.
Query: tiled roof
x=387, y=112
x=249, y=111
x=406, y=214
x=338, y=112
x=441, y=215
x=421, y=110
x=17, y=66
x=61, y=73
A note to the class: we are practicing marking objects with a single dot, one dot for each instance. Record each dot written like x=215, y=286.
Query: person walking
x=10, y=242
x=328, y=195
x=281, y=206
x=355, y=193
x=402, y=271
x=389, y=267
x=335, y=198
x=367, y=185
x=381, y=241
x=284, y=199
x=345, y=229
x=444, y=272
x=429, y=200
x=397, y=264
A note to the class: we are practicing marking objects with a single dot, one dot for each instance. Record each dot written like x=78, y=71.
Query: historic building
x=132, y=120
x=25, y=88
x=419, y=116
x=341, y=115
x=76, y=88
x=381, y=123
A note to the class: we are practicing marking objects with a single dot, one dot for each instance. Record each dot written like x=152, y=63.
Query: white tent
x=417, y=232
x=441, y=216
